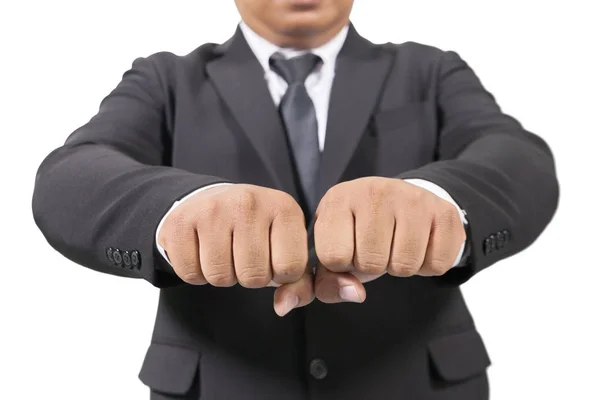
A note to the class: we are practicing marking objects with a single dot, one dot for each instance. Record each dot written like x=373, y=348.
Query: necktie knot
x=296, y=69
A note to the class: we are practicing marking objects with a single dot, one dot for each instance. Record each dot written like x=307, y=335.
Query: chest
x=243, y=139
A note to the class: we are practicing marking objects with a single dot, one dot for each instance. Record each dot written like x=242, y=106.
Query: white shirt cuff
x=438, y=191
x=161, y=250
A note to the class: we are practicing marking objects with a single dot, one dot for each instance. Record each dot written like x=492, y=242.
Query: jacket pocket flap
x=459, y=356
x=170, y=369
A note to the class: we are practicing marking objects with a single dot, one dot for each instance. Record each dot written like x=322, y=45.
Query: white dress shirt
x=318, y=84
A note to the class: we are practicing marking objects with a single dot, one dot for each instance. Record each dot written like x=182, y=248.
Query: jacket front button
x=318, y=368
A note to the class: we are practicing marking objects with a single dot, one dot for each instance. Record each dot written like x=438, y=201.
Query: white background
x=70, y=333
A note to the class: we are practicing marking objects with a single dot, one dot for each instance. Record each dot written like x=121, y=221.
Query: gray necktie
x=298, y=114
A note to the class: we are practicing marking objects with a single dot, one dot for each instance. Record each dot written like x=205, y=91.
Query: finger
x=296, y=294
x=409, y=244
x=445, y=240
x=216, y=258
x=333, y=287
x=374, y=232
x=251, y=252
x=183, y=252
x=334, y=237
x=289, y=248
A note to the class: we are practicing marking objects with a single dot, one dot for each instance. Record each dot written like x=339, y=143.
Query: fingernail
x=288, y=305
x=349, y=293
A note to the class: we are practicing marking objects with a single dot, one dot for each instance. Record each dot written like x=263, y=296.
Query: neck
x=297, y=40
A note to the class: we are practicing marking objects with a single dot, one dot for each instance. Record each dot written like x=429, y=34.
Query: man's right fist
x=243, y=234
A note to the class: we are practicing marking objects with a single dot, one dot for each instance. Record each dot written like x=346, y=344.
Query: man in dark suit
x=299, y=160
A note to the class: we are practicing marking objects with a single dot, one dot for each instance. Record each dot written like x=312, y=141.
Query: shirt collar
x=263, y=49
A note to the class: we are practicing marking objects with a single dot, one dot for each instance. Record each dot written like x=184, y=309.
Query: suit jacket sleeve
x=501, y=175
x=110, y=184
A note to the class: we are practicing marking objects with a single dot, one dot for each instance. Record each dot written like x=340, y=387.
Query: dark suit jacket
x=174, y=124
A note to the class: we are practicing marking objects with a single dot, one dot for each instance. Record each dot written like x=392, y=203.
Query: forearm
x=500, y=174
x=90, y=197
x=507, y=185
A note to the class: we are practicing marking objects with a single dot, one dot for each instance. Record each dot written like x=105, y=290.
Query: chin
x=300, y=30
x=302, y=26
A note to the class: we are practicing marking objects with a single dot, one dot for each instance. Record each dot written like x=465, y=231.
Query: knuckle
x=287, y=203
x=178, y=219
x=371, y=263
x=457, y=228
x=448, y=215
x=406, y=266
x=439, y=266
x=334, y=198
x=378, y=189
x=330, y=202
x=253, y=277
x=338, y=256
x=221, y=277
x=335, y=190
x=417, y=198
x=289, y=210
x=290, y=267
x=190, y=275
x=246, y=202
x=177, y=231
x=209, y=211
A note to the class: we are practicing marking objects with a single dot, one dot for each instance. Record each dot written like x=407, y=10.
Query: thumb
x=293, y=295
x=334, y=287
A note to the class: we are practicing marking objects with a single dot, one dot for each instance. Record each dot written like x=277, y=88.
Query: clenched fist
x=243, y=234
x=372, y=226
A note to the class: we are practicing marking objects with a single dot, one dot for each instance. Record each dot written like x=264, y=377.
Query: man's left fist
x=371, y=226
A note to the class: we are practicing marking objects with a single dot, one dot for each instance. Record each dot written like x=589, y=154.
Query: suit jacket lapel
x=361, y=70
x=239, y=80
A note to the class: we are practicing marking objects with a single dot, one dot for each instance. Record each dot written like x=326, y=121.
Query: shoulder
x=416, y=48
x=424, y=55
x=424, y=63
x=166, y=70
x=416, y=54
x=166, y=62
